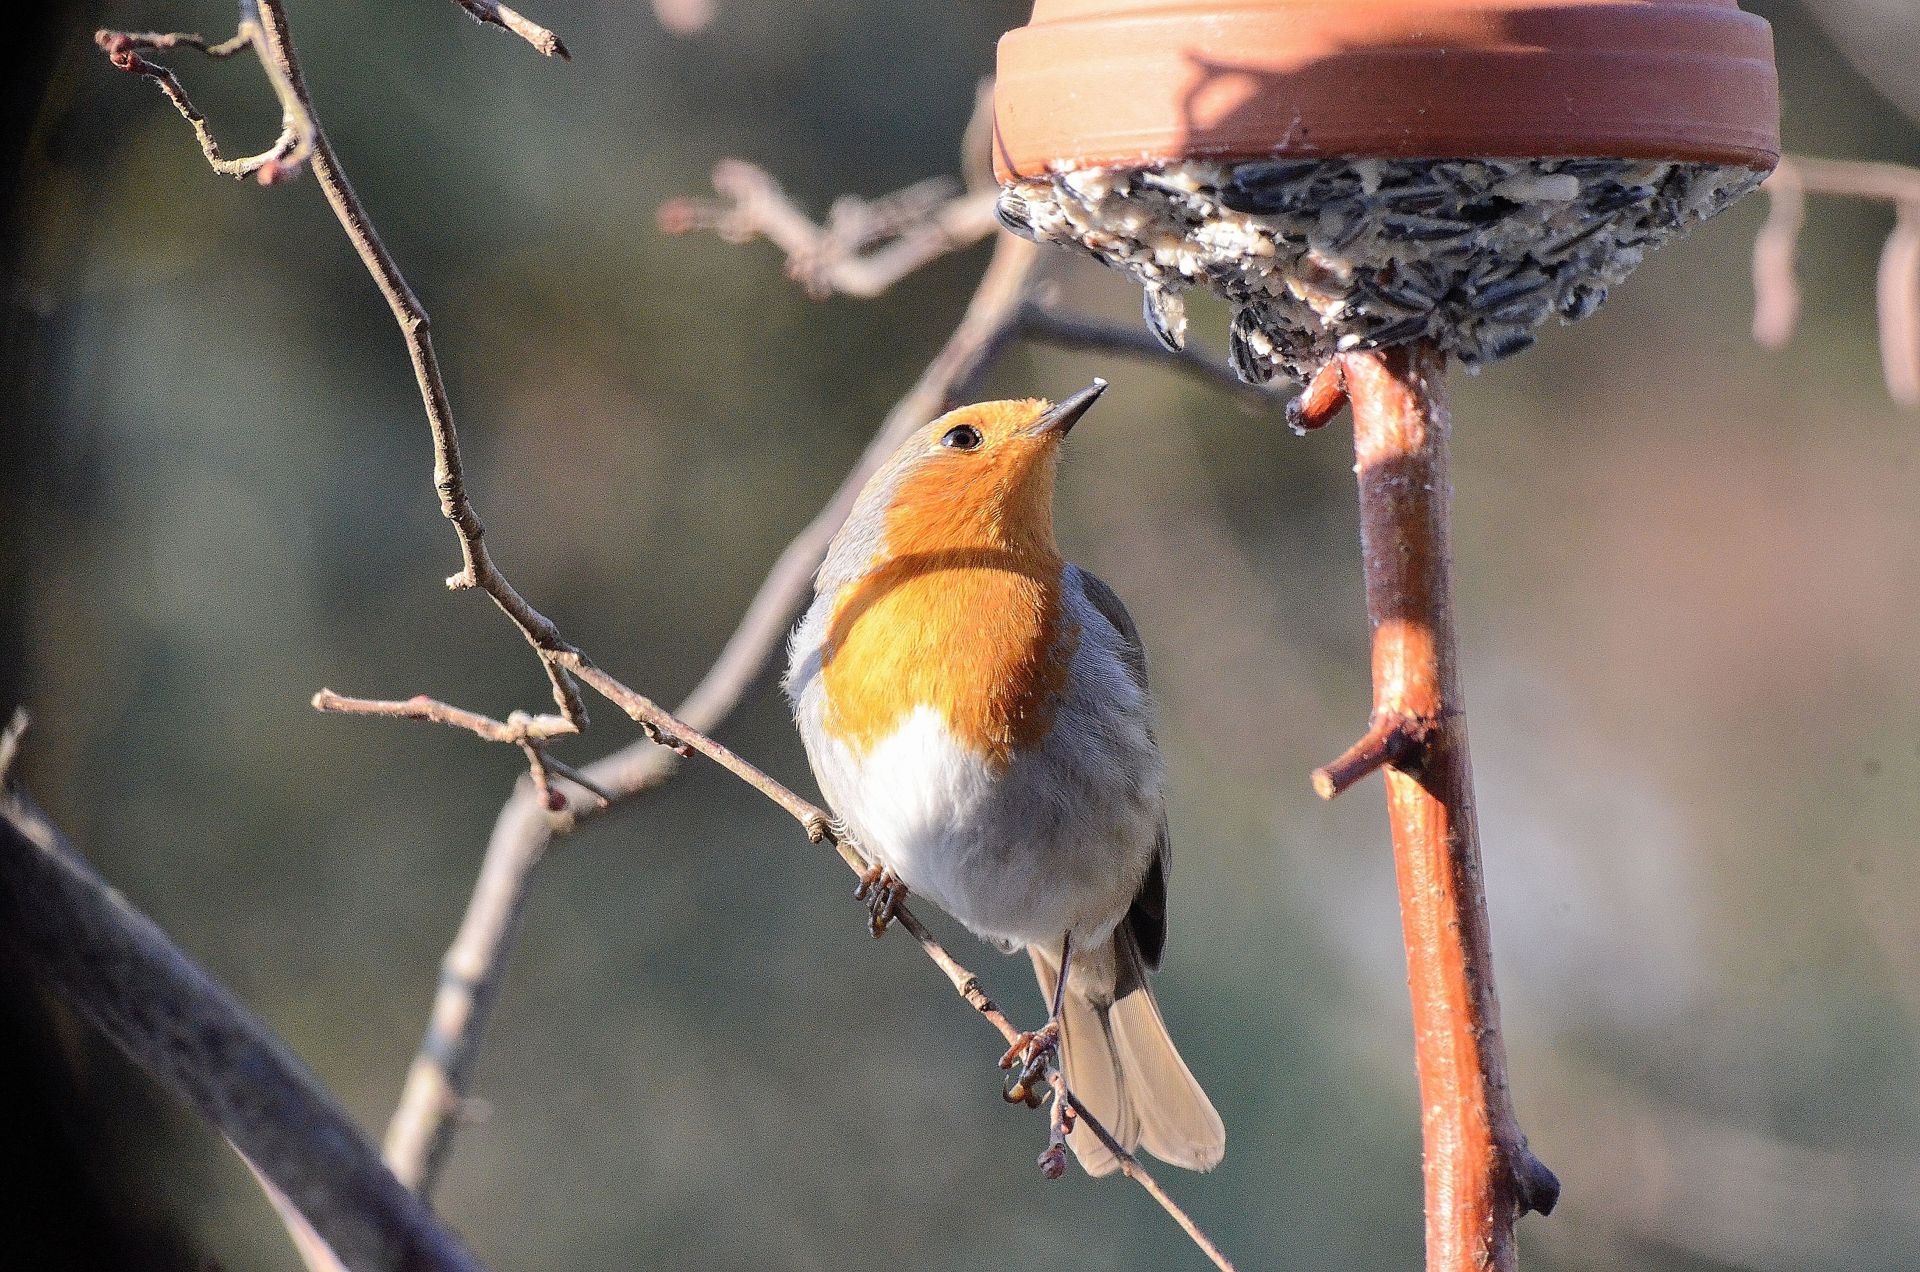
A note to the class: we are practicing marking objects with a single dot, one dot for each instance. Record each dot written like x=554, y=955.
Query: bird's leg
x=1033, y=1050
x=883, y=891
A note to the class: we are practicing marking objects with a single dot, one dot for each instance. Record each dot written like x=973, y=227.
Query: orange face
x=983, y=479
x=962, y=615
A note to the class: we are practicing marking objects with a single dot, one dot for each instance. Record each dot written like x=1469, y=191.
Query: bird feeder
x=1377, y=188
x=1354, y=174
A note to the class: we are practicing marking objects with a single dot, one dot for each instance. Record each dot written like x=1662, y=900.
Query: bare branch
x=1776, y=281
x=478, y=570
x=1480, y=1175
x=1777, y=289
x=1899, y=306
x=111, y=964
x=861, y=249
x=493, y=13
x=513, y=731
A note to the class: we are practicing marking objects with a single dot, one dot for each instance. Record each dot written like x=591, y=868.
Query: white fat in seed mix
x=1322, y=256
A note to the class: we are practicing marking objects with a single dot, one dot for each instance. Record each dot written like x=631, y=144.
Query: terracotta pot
x=1096, y=83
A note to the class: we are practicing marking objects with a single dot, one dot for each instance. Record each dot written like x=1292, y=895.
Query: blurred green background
x=1689, y=591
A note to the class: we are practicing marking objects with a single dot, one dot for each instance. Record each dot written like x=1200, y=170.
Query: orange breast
x=963, y=617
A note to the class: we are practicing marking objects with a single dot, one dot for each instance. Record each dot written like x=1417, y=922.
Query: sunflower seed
x=1250, y=366
x=1378, y=293
x=1166, y=315
x=1524, y=312
x=1614, y=197
x=1502, y=290
x=1580, y=301
x=1338, y=227
x=1013, y=212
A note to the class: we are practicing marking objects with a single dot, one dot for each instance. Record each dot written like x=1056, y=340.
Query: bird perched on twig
x=975, y=709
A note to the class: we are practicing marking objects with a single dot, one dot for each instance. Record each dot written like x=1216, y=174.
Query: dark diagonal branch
x=1776, y=285
x=110, y=963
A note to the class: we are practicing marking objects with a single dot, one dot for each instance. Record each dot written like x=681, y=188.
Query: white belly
x=1020, y=856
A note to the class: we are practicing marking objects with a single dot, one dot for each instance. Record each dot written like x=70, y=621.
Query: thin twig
x=967, y=985
x=861, y=249
x=1898, y=302
x=515, y=730
x=1777, y=289
x=1480, y=1176
x=110, y=963
x=478, y=570
x=492, y=13
x=1776, y=281
x=278, y=162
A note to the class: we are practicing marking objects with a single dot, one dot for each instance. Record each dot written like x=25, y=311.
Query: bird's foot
x=883, y=891
x=1026, y=1062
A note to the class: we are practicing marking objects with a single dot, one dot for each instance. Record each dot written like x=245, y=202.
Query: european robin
x=976, y=712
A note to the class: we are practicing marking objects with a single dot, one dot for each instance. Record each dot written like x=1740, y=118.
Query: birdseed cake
x=1320, y=256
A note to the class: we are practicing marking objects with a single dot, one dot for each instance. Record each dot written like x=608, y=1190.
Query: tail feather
x=1123, y=1068
x=1178, y=1123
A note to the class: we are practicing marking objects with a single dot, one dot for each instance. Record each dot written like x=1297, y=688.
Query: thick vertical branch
x=1479, y=1175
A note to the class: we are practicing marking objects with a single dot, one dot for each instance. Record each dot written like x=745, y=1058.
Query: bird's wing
x=1147, y=917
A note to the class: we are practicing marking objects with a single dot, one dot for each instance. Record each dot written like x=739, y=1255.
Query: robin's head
x=980, y=477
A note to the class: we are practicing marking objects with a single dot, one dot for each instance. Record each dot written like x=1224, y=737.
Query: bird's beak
x=1056, y=422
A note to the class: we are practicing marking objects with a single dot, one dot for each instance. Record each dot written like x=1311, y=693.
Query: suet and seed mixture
x=1323, y=256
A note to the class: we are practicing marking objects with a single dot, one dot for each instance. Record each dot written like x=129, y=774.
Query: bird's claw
x=883, y=891
x=1027, y=1061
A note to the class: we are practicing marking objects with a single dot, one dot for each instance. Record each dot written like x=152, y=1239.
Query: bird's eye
x=961, y=437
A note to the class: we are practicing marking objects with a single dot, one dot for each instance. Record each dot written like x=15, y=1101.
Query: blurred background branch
x=1776, y=284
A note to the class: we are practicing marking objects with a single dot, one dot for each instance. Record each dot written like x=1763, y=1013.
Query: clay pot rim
x=1110, y=83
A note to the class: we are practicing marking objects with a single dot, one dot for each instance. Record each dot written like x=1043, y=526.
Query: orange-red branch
x=1479, y=1175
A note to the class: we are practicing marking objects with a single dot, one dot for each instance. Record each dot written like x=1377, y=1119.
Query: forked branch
x=1480, y=1175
